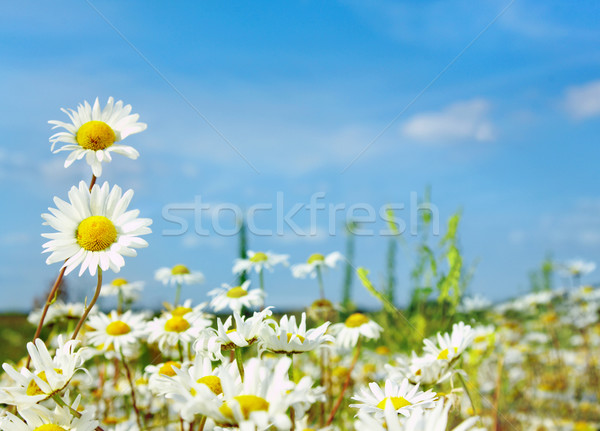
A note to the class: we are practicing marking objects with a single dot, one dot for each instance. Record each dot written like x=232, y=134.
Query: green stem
x=202, y=423
x=177, y=294
x=261, y=279
x=62, y=403
x=320, y=277
x=239, y=361
x=120, y=303
x=89, y=308
x=180, y=349
x=464, y=384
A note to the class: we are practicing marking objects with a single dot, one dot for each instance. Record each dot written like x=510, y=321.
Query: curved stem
x=92, y=182
x=74, y=412
x=131, y=385
x=89, y=308
x=49, y=301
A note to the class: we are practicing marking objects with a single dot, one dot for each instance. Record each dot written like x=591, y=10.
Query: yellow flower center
x=383, y=350
x=96, y=233
x=248, y=404
x=397, y=402
x=444, y=353
x=236, y=292
x=213, y=383
x=176, y=324
x=180, y=311
x=117, y=328
x=180, y=270
x=119, y=282
x=33, y=388
x=95, y=135
x=49, y=427
x=317, y=257
x=259, y=257
x=298, y=336
x=168, y=368
x=355, y=320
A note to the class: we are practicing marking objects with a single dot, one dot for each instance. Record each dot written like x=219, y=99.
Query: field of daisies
x=445, y=362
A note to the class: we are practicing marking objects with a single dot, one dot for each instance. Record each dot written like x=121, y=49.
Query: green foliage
x=543, y=277
x=243, y=248
x=349, y=268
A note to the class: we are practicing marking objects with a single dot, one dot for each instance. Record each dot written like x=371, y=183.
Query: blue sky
x=509, y=133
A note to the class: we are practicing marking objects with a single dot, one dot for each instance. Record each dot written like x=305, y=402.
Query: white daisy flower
x=193, y=389
x=405, y=397
x=178, y=275
x=188, y=311
x=435, y=419
x=259, y=261
x=119, y=332
x=356, y=324
x=419, y=369
x=577, y=267
x=261, y=401
x=50, y=376
x=227, y=336
x=450, y=346
x=236, y=297
x=474, y=303
x=93, y=133
x=128, y=291
x=94, y=229
x=288, y=337
x=39, y=418
x=59, y=312
x=170, y=330
x=316, y=262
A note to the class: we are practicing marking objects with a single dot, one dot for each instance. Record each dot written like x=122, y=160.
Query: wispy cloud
x=460, y=121
x=583, y=101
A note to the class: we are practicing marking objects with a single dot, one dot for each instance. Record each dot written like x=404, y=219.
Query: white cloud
x=467, y=120
x=583, y=101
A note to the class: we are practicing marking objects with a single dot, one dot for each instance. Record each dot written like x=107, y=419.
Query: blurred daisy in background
x=179, y=274
x=94, y=229
x=59, y=312
x=125, y=291
x=94, y=133
x=357, y=324
x=575, y=269
x=258, y=261
x=236, y=297
x=315, y=263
